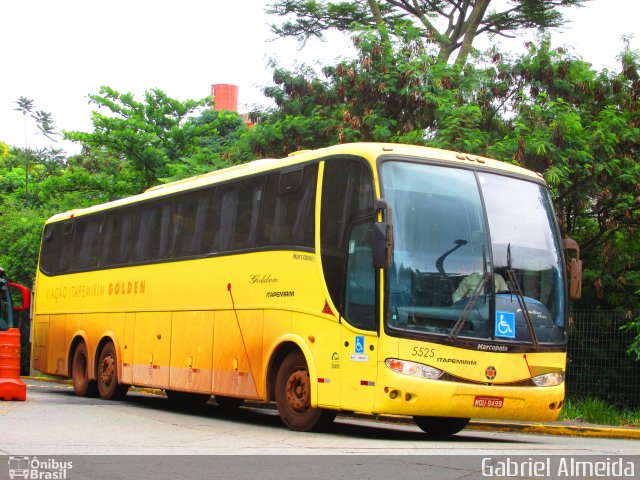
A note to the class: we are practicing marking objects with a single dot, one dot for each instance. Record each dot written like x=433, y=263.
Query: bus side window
x=152, y=224
x=228, y=214
x=65, y=248
x=49, y=248
x=87, y=242
x=347, y=190
x=360, y=285
x=188, y=224
x=287, y=213
x=117, y=231
x=240, y=212
x=303, y=232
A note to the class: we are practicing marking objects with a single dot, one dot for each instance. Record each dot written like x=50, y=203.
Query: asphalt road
x=106, y=440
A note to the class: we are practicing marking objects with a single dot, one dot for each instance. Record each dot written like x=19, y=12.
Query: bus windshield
x=476, y=256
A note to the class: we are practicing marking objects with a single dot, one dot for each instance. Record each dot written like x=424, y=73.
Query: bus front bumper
x=399, y=394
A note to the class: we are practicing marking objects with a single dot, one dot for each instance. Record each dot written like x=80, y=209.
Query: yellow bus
x=377, y=278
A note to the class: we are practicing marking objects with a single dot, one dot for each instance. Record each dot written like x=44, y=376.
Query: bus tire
x=228, y=403
x=293, y=396
x=441, y=426
x=83, y=386
x=187, y=399
x=107, y=373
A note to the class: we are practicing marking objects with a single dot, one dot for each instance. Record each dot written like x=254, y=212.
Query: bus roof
x=370, y=151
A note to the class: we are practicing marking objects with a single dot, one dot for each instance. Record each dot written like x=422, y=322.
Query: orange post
x=11, y=386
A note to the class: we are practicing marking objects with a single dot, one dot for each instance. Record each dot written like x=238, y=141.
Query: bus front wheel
x=108, y=386
x=441, y=426
x=293, y=396
x=82, y=385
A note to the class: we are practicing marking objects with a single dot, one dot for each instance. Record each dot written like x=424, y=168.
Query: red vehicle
x=11, y=387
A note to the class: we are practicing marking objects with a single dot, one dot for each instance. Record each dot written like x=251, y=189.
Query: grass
x=596, y=411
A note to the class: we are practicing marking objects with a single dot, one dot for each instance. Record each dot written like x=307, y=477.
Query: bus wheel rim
x=106, y=373
x=297, y=391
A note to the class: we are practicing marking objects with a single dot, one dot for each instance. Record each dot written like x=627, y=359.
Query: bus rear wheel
x=441, y=426
x=293, y=397
x=108, y=386
x=82, y=385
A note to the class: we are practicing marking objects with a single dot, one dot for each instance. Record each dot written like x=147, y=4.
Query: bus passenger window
x=152, y=225
x=188, y=226
x=228, y=214
x=65, y=248
x=288, y=208
x=117, y=234
x=87, y=242
x=49, y=248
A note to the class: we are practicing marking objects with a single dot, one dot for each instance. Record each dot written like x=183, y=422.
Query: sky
x=57, y=52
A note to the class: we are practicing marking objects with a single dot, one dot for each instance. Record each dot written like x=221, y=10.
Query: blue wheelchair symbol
x=360, y=344
x=505, y=324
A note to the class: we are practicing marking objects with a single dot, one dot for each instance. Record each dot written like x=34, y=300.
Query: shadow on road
x=266, y=416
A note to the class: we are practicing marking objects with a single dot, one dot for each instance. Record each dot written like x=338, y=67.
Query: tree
x=147, y=135
x=216, y=144
x=544, y=109
x=581, y=128
x=450, y=25
x=383, y=95
x=45, y=124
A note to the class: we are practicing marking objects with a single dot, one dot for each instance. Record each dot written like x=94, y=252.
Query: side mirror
x=382, y=236
x=574, y=268
x=25, y=296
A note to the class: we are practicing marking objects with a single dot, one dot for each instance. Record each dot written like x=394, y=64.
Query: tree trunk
x=470, y=29
x=382, y=28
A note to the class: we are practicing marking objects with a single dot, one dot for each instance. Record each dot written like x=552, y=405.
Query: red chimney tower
x=225, y=97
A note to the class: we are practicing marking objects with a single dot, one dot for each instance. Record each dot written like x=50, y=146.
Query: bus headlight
x=414, y=369
x=549, y=379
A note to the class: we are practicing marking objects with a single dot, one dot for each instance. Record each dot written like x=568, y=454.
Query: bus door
x=358, y=361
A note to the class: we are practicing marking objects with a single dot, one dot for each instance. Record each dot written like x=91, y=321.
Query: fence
x=598, y=365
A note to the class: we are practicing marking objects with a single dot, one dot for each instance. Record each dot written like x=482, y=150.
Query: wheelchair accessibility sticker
x=359, y=355
x=505, y=324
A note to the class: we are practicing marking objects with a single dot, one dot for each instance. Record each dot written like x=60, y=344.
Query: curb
x=558, y=428
x=555, y=428
x=506, y=426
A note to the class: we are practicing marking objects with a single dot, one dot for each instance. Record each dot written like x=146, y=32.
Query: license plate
x=488, y=402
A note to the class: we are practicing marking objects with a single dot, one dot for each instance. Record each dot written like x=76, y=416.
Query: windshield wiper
x=459, y=325
x=515, y=288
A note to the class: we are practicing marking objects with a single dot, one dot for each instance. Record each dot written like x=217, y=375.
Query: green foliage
x=598, y=412
x=155, y=138
x=135, y=144
x=21, y=228
x=634, y=326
